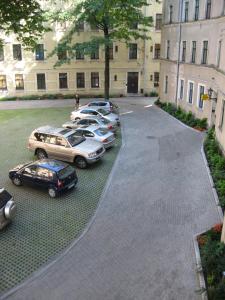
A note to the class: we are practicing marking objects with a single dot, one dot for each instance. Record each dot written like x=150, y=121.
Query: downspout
x=179, y=49
x=145, y=59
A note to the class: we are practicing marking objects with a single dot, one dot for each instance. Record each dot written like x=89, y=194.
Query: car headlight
x=92, y=154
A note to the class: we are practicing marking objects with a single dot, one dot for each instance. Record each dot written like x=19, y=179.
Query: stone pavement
x=139, y=246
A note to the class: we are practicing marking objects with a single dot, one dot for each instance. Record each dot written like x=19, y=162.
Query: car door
x=51, y=147
x=28, y=175
x=44, y=177
x=88, y=134
x=64, y=151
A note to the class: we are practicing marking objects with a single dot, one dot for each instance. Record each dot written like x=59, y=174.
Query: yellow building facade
x=133, y=70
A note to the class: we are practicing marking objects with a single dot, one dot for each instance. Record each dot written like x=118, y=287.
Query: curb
x=199, y=269
x=215, y=196
x=60, y=256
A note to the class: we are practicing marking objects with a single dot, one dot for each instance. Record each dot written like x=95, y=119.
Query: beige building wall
x=145, y=64
x=194, y=74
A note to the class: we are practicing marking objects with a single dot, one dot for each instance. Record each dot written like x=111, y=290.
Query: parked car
x=107, y=105
x=97, y=133
x=52, y=175
x=92, y=120
x=64, y=144
x=7, y=208
x=84, y=112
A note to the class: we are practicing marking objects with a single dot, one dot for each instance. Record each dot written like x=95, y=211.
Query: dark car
x=7, y=208
x=53, y=175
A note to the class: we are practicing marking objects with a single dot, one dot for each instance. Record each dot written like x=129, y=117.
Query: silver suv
x=64, y=144
x=7, y=208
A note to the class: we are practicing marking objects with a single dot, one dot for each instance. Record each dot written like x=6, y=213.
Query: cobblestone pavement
x=139, y=246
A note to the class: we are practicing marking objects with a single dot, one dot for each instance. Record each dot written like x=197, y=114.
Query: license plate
x=71, y=185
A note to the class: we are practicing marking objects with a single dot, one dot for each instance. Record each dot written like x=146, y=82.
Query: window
x=168, y=50
x=181, y=89
x=190, y=92
x=95, y=80
x=222, y=115
x=157, y=51
x=184, y=51
x=62, y=54
x=208, y=9
x=61, y=26
x=219, y=54
x=79, y=53
x=80, y=80
x=95, y=53
x=166, y=85
x=44, y=173
x=1, y=53
x=186, y=4
x=132, y=51
x=116, y=48
x=193, y=52
x=115, y=77
x=171, y=14
x=223, y=11
x=111, y=52
x=158, y=22
x=201, y=93
x=41, y=85
x=3, y=83
x=196, y=10
x=17, y=52
x=19, y=82
x=63, y=81
x=39, y=52
x=156, y=79
x=205, y=52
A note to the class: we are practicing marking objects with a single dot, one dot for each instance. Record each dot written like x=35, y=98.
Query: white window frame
x=45, y=81
x=222, y=115
x=188, y=92
x=197, y=102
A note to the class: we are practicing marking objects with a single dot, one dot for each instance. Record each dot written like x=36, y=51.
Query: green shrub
x=153, y=94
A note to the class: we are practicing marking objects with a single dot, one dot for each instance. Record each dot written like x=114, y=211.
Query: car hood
x=88, y=146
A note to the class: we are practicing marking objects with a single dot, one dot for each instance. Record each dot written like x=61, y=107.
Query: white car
x=98, y=134
x=87, y=121
x=100, y=112
x=107, y=105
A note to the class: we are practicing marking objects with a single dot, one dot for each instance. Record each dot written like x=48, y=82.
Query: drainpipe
x=145, y=58
x=179, y=49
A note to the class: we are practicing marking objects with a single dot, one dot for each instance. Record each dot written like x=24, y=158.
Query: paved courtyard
x=139, y=245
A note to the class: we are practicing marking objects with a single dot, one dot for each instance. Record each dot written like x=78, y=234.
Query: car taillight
x=110, y=127
x=59, y=183
x=105, y=141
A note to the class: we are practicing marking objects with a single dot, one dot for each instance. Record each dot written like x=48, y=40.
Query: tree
x=117, y=20
x=24, y=18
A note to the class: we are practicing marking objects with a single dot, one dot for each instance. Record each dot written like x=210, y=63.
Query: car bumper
x=69, y=185
x=109, y=144
x=96, y=158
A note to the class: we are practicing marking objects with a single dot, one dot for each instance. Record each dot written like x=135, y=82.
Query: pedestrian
x=77, y=101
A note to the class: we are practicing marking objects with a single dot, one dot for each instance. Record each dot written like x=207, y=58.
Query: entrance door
x=132, y=82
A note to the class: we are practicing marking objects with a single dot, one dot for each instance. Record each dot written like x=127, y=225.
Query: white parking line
x=150, y=105
x=125, y=113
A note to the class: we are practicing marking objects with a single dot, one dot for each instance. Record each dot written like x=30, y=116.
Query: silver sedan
x=96, y=133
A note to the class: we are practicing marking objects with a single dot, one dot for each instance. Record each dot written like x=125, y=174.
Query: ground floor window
x=166, y=85
x=190, y=92
x=41, y=84
x=94, y=80
x=80, y=80
x=19, y=82
x=201, y=93
x=3, y=83
x=181, y=89
x=63, y=81
x=222, y=115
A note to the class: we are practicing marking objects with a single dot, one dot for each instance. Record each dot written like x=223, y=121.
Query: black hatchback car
x=53, y=175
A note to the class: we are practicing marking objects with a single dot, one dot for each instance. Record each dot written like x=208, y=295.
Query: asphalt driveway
x=139, y=246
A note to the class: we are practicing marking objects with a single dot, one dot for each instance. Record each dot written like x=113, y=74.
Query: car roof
x=90, y=128
x=53, y=130
x=51, y=164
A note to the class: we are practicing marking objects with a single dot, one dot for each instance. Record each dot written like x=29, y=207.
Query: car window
x=102, y=104
x=101, y=131
x=79, y=132
x=40, y=137
x=74, y=139
x=44, y=173
x=93, y=122
x=93, y=113
x=65, y=172
x=30, y=170
x=50, y=139
x=85, y=111
x=105, y=121
x=88, y=133
x=103, y=112
x=82, y=122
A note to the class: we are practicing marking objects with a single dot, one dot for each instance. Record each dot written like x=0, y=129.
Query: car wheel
x=41, y=154
x=77, y=119
x=52, y=192
x=17, y=181
x=80, y=162
x=10, y=210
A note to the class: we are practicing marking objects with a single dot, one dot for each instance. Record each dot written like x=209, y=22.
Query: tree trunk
x=107, y=68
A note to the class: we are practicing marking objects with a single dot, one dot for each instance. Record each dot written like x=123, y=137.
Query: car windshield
x=75, y=140
x=103, y=112
x=104, y=121
x=101, y=131
x=65, y=172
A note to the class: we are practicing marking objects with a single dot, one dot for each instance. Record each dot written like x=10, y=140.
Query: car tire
x=41, y=154
x=80, y=162
x=17, y=181
x=77, y=119
x=10, y=210
x=52, y=192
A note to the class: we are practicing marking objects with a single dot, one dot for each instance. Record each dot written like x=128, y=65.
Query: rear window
x=103, y=112
x=101, y=131
x=65, y=172
x=105, y=121
x=75, y=140
x=4, y=197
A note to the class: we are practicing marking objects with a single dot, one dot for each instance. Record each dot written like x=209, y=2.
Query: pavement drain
x=43, y=227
